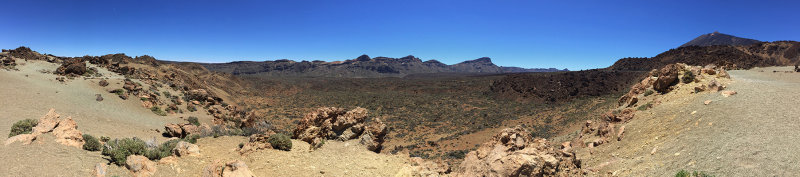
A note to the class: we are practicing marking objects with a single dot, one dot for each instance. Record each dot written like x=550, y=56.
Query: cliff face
x=362, y=66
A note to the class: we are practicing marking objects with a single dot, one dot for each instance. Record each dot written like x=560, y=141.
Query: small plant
x=23, y=127
x=644, y=107
x=104, y=139
x=241, y=145
x=194, y=121
x=280, y=141
x=648, y=92
x=191, y=108
x=157, y=110
x=91, y=143
x=119, y=149
x=163, y=150
x=687, y=77
x=143, y=99
x=167, y=94
x=118, y=92
x=191, y=138
x=684, y=173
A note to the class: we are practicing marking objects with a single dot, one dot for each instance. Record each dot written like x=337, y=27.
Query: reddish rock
x=667, y=77
x=337, y=124
x=513, y=152
x=140, y=166
x=67, y=133
x=184, y=148
x=103, y=83
x=728, y=93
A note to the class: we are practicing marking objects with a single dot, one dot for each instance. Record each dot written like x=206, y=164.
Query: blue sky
x=561, y=34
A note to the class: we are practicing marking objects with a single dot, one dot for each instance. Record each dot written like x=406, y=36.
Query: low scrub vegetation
x=118, y=150
x=194, y=121
x=684, y=173
x=280, y=141
x=92, y=144
x=157, y=110
x=23, y=127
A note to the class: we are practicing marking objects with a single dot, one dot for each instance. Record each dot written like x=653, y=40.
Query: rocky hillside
x=779, y=53
x=717, y=38
x=362, y=67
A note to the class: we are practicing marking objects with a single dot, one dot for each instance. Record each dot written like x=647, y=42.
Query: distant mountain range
x=364, y=66
x=717, y=38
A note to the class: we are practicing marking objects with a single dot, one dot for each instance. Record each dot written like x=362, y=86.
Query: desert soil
x=748, y=134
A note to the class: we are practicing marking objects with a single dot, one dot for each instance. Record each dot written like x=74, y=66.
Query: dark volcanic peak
x=717, y=38
x=362, y=66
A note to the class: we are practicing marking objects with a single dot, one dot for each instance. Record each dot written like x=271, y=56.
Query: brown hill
x=779, y=53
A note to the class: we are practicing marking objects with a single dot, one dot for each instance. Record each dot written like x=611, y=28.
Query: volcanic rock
x=513, y=152
x=67, y=133
x=140, y=165
x=667, y=77
x=337, y=124
x=184, y=148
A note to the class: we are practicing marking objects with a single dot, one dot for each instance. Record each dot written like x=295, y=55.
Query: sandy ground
x=748, y=134
x=335, y=158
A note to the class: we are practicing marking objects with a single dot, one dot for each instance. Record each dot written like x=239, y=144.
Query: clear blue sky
x=563, y=34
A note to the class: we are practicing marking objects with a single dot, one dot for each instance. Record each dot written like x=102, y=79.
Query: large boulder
x=72, y=66
x=257, y=142
x=173, y=130
x=513, y=152
x=140, y=166
x=67, y=133
x=667, y=77
x=338, y=124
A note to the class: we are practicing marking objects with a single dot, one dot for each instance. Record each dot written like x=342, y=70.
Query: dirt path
x=752, y=133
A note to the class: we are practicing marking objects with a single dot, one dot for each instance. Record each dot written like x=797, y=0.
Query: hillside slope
x=779, y=53
x=749, y=133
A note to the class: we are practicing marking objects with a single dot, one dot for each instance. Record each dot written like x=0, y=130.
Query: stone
x=46, y=123
x=23, y=138
x=67, y=133
x=620, y=133
x=183, y=149
x=728, y=93
x=103, y=83
x=140, y=166
x=98, y=97
x=338, y=124
x=707, y=102
x=667, y=77
x=173, y=130
x=99, y=170
x=236, y=168
x=513, y=152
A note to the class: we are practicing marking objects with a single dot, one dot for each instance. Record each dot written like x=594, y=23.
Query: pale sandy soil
x=753, y=133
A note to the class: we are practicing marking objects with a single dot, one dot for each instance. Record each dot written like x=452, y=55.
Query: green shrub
x=194, y=121
x=118, y=150
x=684, y=173
x=157, y=110
x=104, y=138
x=92, y=144
x=163, y=150
x=280, y=141
x=23, y=127
x=648, y=92
x=191, y=138
x=118, y=92
x=191, y=108
x=644, y=107
x=687, y=77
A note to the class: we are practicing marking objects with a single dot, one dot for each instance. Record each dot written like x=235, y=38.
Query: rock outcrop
x=513, y=152
x=257, y=142
x=66, y=131
x=140, y=166
x=74, y=66
x=180, y=130
x=338, y=124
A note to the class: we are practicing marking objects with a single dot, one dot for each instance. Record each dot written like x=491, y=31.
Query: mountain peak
x=717, y=38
